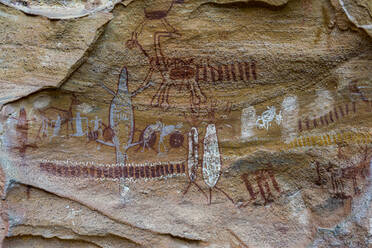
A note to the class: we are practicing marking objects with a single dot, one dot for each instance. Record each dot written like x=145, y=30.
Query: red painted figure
x=263, y=178
x=22, y=134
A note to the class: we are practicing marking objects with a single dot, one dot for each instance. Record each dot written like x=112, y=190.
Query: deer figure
x=65, y=116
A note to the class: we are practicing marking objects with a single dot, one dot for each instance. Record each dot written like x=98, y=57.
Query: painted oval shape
x=192, y=160
x=61, y=9
x=176, y=139
x=211, y=157
x=182, y=72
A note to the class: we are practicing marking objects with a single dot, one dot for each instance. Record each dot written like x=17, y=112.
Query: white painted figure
x=193, y=157
x=211, y=157
x=165, y=131
x=149, y=131
x=290, y=111
x=193, y=161
x=248, y=122
x=57, y=126
x=264, y=121
x=79, y=127
x=44, y=127
x=96, y=123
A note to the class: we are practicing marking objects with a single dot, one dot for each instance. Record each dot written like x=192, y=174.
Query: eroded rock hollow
x=185, y=123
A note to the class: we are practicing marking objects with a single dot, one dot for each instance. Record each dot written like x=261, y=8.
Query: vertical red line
x=220, y=73
x=253, y=66
x=78, y=170
x=248, y=186
x=72, y=170
x=117, y=172
x=147, y=171
x=315, y=123
x=232, y=66
x=335, y=111
x=227, y=72
x=99, y=173
x=331, y=116
x=300, y=125
x=247, y=70
x=197, y=73
x=125, y=171
x=212, y=74
x=205, y=76
x=136, y=171
x=105, y=172
x=92, y=171
x=142, y=172
x=131, y=171
x=241, y=72
x=85, y=172
x=341, y=111
x=59, y=171
x=325, y=119
x=321, y=120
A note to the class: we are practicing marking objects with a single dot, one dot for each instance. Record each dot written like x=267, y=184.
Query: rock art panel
x=175, y=123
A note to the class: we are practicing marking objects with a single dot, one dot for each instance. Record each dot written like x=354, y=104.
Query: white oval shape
x=211, y=157
x=61, y=9
x=192, y=161
x=84, y=108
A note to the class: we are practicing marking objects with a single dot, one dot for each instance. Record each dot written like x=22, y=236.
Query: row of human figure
x=81, y=126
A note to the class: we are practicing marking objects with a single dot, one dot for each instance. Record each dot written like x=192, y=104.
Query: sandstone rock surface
x=180, y=123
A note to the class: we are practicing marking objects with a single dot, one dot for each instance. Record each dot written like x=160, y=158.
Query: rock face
x=180, y=123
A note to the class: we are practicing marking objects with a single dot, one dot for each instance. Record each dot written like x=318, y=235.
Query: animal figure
x=148, y=138
x=64, y=116
x=170, y=69
x=148, y=135
x=264, y=121
x=165, y=131
x=339, y=178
